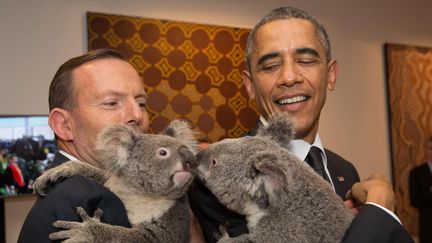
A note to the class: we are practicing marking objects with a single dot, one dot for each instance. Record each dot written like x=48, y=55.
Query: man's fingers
x=358, y=192
x=375, y=189
x=351, y=206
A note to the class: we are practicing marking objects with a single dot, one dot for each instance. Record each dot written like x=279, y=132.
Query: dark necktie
x=314, y=159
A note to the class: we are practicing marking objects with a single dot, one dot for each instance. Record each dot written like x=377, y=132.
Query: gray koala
x=149, y=173
x=283, y=199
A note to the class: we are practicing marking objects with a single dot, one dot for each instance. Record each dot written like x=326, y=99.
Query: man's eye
x=307, y=61
x=142, y=104
x=111, y=103
x=269, y=66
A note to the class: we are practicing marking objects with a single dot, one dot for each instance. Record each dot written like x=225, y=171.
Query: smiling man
x=290, y=69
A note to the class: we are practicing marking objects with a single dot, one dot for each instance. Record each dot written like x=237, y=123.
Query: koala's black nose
x=189, y=159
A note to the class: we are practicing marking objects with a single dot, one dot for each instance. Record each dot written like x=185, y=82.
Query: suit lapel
x=58, y=159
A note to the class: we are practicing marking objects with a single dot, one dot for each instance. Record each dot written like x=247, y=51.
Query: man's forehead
x=291, y=33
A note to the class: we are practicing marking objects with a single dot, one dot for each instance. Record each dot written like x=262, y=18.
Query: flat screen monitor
x=27, y=147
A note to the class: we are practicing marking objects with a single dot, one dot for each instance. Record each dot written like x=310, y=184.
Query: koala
x=150, y=173
x=282, y=198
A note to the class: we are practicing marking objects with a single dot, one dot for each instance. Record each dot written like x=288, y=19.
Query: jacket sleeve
x=61, y=203
x=373, y=224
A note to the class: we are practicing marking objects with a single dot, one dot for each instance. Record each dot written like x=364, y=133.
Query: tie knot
x=315, y=160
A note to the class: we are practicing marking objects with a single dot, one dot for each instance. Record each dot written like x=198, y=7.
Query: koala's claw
x=52, y=175
x=223, y=232
x=40, y=186
x=76, y=231
x=85, y=217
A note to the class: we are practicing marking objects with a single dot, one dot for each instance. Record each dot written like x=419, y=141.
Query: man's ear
x=60, y=123
x=332, y=71
x=247, y=81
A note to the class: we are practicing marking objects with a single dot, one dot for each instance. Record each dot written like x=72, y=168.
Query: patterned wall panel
x=409, y=84
x=190, y=71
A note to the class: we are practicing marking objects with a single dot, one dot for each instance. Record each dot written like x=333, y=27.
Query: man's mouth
x=291, y=100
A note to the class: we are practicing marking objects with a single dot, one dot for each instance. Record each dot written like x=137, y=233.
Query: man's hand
x=196, y=233
x=350, y=204
x=375, y=189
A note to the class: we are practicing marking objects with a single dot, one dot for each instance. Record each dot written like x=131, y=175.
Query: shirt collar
x=67, y=155
x=299, y=147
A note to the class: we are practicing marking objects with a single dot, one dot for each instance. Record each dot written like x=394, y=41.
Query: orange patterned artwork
x=409, y=84
x=190, y=71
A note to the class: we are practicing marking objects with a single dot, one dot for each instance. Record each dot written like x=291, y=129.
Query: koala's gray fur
x=149, y=173
x=283, y=199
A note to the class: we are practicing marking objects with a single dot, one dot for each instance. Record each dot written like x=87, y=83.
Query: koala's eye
x=163, y=152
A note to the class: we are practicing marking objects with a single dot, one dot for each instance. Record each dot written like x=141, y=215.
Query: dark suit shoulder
x=61, y=203
x=373, y=224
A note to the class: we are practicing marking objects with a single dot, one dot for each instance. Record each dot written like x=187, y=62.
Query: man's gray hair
x=288, y=13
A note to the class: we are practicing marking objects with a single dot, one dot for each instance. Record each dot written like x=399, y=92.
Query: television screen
x=27, y=148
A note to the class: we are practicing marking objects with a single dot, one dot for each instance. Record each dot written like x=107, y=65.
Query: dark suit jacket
x=371, y=225
x=61, y=202
x=420, y=183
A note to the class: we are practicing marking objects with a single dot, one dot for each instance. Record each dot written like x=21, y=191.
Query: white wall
x=37, y=36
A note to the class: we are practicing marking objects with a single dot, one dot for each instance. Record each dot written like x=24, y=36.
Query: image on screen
x=27, y=148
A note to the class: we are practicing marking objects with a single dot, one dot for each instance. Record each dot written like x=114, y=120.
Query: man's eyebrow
x=307, y=50
x=266, y=57
x=142, y=95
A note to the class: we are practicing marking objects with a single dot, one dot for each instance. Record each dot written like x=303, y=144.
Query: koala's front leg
x=239, y=239
x=66, y=170
x=77, y=231
x=92, y=230
x=224, y=237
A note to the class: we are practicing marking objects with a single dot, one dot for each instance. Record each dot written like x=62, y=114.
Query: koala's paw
x=222, y=234
x=77, y=231
x=52, y=175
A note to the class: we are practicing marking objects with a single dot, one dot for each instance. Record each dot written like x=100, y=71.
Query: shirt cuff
x=385, y=209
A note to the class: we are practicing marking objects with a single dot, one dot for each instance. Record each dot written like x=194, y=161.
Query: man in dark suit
x=420, y=184
x=87, y=93
x=290, y=69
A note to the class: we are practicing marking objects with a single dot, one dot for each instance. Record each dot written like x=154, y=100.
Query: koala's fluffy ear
x=113, y=144
x=182, y=130
x=280, y=129
x=272, y=176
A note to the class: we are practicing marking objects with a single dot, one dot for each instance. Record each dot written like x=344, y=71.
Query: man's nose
x=134, y=113
x=290, y=75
